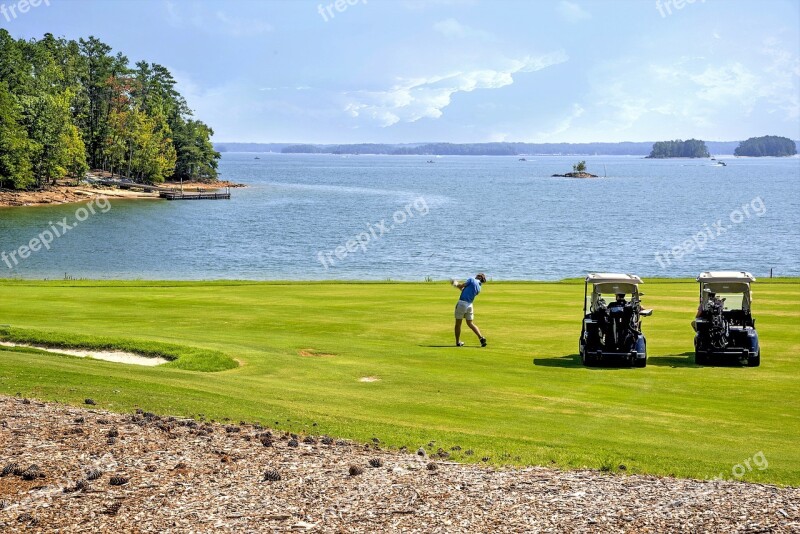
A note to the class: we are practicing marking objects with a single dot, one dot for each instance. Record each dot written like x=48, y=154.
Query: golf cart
x=724, y=325
x=612, y=325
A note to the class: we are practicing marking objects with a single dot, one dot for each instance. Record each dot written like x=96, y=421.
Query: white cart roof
x=613, y=278
x=726, y=276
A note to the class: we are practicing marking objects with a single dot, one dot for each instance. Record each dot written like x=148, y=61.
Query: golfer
x=464, y=310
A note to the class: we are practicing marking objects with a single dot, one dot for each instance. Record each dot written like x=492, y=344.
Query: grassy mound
x=180, y=357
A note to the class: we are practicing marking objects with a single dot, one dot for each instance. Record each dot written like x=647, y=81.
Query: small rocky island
x=578, y=171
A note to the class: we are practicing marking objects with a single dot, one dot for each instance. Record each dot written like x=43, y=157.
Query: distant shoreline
x=631, y=148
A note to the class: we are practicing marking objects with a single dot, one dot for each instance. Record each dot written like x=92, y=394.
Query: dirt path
x=183, y=476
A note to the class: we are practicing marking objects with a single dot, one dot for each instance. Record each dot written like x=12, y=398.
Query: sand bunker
x=107, y=355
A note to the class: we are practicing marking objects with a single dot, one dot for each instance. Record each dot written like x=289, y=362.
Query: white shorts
x=464, y=310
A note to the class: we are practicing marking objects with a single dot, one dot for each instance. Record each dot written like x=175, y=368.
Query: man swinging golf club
x=464, y=310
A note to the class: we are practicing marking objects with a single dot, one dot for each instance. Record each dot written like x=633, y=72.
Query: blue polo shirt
x=471, y=290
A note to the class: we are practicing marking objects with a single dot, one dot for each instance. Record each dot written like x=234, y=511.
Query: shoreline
x=72, y=194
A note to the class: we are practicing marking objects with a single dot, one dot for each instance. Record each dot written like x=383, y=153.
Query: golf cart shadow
x=686, y=360
x=574, y=361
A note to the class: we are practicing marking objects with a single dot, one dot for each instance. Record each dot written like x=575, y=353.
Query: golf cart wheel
x=640, y=362
x=700, y=358
x=754, y=361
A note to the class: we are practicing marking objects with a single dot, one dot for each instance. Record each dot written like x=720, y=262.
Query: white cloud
x=421, y=5
x=412, y=99
x=561, y=126
x=695, y=96
x=219, y=22
x=239, y=27
x=572, y=12
x=453, y=29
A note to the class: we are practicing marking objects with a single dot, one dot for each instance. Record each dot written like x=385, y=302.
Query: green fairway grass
x=302, y=349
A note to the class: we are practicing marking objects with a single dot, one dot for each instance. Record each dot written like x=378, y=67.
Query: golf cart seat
x=739, y=318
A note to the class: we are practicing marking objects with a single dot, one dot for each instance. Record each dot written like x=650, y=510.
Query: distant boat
x=523, y=159
x=431, y=161
x=721, y=164
x=257, y=157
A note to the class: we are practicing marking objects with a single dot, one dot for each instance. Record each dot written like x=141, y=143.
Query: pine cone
x=469, y=452
x=93, y=474
x=89, y=401
x=4, y=504
x=293, y=443
x=356, y=470
x=9, y=469
x=266, y=441
x=309, y=440
x=271, y=475
x=113, y=508
x=79, y=420
x=432, y=466
x=376, y=462
x=27, y=518
x=31, y=473
x=232, y=429
x=113, y=433
x=327, y=440
x=118, y=480
x=81, y=485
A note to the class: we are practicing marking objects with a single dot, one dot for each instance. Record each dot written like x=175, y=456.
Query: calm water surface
x=453, y=217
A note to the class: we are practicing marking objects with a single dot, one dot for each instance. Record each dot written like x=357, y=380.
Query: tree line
x=691, y=148
x=67, y=106
x=768, y=145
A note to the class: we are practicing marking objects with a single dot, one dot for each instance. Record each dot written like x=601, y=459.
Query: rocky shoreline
x=575, y=175
x=69, y=194
x=86, y=470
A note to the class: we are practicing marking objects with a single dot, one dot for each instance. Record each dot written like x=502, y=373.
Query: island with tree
x=691, y=148
x=578, y=171
x=69, y=106
x=768, y=145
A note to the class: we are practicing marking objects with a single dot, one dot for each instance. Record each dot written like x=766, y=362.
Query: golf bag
x=718, y=331
x=619, y=327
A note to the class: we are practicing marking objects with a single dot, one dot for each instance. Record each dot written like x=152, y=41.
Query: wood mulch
x=84, y=470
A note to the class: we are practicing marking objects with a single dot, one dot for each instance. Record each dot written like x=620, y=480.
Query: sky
x=405, y=71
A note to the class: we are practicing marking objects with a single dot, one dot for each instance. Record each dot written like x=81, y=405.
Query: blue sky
x=460, y=70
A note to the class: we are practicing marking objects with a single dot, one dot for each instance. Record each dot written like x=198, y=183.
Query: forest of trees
x=768, y=145
x=68, y=106
x=691, y=148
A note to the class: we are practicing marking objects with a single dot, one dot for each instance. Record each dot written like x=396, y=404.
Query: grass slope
x=523, y=400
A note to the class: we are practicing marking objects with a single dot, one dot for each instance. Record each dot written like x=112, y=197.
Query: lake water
x=453, y=217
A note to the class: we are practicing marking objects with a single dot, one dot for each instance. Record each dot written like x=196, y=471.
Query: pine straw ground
x=161, y=474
